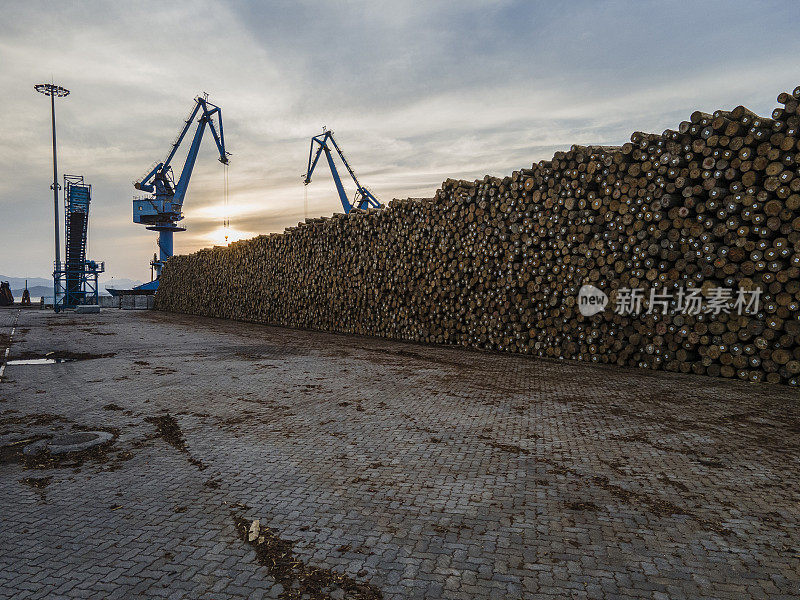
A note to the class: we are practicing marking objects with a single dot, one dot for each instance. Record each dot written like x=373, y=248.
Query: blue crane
x=77, y=280
x=363, y=198
x=162, y=211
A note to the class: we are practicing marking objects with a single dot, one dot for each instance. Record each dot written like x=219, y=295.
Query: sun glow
x=222, y=236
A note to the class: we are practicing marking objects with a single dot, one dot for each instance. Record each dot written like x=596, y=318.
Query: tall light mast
x=54, y=91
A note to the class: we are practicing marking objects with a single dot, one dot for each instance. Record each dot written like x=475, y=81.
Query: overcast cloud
x=416, y=92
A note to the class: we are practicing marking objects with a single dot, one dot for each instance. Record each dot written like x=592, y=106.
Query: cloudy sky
x=416, y=92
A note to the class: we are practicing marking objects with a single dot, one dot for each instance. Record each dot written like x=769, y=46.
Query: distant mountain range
x=19, y=282
x=118, y=283
x=36, y=292
x=40, y=286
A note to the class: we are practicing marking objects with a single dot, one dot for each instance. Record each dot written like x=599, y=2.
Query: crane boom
x=362, y=198
x=161, y=211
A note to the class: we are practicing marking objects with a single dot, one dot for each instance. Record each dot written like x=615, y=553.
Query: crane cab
x=154, y=211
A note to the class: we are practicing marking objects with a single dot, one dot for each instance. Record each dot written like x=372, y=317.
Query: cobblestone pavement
x=424, y=472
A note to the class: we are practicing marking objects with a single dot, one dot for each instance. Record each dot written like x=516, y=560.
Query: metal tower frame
x=77, y=282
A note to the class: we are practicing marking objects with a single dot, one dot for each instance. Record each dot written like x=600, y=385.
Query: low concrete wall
x=128, y=301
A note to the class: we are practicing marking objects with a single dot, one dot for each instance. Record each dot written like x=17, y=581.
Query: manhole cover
x=69, y=442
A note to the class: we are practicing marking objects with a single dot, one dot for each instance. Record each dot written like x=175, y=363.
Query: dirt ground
x=251, y=461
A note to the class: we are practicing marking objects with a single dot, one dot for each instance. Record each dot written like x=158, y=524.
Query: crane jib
x=162, y=211
x=363, y=198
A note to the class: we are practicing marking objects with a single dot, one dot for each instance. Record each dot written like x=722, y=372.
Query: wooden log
x=497, y=263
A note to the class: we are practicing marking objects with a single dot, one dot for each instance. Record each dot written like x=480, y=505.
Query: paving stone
x=425, y=471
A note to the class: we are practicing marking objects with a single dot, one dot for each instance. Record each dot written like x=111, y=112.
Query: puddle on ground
x=39, y=361
x=52, y=358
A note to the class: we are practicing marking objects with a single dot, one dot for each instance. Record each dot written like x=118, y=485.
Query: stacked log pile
x=497, y=264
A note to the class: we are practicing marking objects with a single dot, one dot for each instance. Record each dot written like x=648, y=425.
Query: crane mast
x=162, y=210
x=363, y=198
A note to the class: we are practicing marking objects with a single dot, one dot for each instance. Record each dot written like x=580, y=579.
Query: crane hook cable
x=226, y=221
